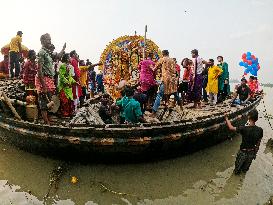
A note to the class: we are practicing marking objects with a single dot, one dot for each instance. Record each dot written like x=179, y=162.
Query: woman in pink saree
x=147, y=80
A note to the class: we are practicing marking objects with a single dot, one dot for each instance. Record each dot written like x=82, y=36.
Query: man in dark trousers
x=244, y=93
x=251, y=139
x=15, y=48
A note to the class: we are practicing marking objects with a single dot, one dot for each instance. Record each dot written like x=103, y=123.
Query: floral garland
x=121, y=58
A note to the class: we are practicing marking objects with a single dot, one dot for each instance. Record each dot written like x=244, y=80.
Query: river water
x=204, y=177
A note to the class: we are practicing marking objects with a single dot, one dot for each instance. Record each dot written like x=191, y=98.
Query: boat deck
x=14, y=90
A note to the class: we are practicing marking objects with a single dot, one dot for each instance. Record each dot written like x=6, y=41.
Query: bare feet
x=199, y=106
x=45, y=117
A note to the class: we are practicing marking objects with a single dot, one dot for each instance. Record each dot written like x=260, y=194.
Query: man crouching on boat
x=244, y=93
x=44, y=80
x=131, y=109
x=251, y=139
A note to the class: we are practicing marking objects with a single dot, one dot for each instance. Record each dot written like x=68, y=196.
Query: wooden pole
x=14, y=101
x=145, y=36
x=7, y=100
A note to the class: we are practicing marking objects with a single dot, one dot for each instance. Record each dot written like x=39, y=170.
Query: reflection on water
x=204, y=177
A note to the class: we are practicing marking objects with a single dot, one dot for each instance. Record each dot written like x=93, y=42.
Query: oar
x=7, y=100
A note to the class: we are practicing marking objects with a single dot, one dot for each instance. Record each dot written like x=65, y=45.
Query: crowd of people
x=202, y=81
x=64, y=74
x=50, y=73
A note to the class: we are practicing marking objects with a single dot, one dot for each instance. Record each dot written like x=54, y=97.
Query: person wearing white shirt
x=196, y=88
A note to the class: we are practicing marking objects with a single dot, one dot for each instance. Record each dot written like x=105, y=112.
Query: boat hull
x=121, y=142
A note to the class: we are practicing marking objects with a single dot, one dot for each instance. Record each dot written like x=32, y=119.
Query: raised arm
x=62, y=51
x=158, y=65
x=230, y=126
x=220, y=71
x=205, y=62
x=94, y=65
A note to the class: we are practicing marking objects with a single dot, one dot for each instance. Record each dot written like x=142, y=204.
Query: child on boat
x=30, y=70
x=251, y=139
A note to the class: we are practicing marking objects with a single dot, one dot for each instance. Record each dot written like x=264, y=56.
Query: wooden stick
x=14, y=101
x=145, y=36
x=7, y=100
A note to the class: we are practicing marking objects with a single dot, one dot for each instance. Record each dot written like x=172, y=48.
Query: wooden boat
x=120, y=142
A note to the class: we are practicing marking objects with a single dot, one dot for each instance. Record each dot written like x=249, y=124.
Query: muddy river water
x=204, y=177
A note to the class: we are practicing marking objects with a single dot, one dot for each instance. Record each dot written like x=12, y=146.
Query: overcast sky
x=214, y=27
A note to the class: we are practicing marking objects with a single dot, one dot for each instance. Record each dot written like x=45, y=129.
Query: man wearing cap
x=15, y=49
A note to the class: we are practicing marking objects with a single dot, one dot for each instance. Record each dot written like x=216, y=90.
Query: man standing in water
x=251, y=139
x=15, y=48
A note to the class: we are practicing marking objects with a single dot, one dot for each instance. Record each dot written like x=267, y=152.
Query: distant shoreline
x=269, y=85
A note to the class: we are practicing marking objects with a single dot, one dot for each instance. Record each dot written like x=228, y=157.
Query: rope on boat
x=55, y=178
